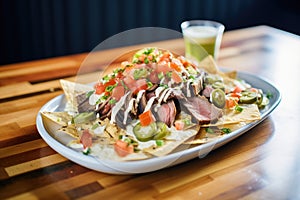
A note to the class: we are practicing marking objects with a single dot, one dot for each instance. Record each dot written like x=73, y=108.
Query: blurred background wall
x=34, y=29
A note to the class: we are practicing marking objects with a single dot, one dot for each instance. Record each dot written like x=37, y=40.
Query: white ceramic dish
x=156, y=163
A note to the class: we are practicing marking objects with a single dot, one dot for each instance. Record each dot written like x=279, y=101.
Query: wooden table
x=264, y=163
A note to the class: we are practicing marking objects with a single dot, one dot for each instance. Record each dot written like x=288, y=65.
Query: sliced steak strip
x=207, y=91
x=167, y=112
x=202, y=110
x=142, y=104
x=83, y=103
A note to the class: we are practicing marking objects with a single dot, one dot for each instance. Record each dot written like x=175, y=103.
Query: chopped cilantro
x=160, y=75
x=169, y=74
x=146, y=60
x=163, y=85
x=87, y=151
x=159, y=142
x=96, y=125
x=106, y=78
x=187, y=121
x=103, y=98
x=116, y=71
x=226, y=130
x=140, y=73
x=90, y=93
x=110, y=88
x=148, y=51
x=209, y=130
x=238, y=108
x=149, y=84
x=269, y=95
x=128, y=140
x=112, y=101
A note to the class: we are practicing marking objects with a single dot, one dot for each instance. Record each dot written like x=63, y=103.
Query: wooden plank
x=21, y=148
x=61, y=187
x=26, y=88
x=34, y=164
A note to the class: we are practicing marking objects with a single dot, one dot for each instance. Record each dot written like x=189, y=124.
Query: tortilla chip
x=203, y=137
x=230, y=74
x=170, y=145
x=60, y=118
x=70, y=130
x=72, y=90
x=209, y=65
x=249, y=114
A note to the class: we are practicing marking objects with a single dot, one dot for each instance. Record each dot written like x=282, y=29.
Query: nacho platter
x=47, y=130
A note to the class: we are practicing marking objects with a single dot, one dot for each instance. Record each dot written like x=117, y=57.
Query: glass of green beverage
x=202, y=37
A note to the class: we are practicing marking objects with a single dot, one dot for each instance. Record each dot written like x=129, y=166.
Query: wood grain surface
x=263, y=163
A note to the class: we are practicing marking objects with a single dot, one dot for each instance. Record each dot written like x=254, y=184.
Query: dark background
x=34, y=29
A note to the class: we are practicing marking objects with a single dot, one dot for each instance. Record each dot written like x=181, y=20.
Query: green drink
x=202, y=38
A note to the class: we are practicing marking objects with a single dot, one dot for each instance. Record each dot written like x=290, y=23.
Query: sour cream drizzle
x=117, y=107
x=152, y=99
x=188, y=91
x=130, y=104
x=139, y=96
x=161, y=98
x=94, y=98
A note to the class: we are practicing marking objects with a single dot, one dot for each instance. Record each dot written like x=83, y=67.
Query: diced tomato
x=119, y=75
x=179, y=125
x=150, y=57
x=237, y=89
x=142, y=58
x=110, y=82
x=238, y=95
x=118, y=92
x=141, y=84
x=184, y=62
x=99, y=88
x=165, y=57
x=128, y=69
x=230, y=103
x=122, y=148
x=146, y=118
x=176, y=77
x=86, y=139
x=175, y=67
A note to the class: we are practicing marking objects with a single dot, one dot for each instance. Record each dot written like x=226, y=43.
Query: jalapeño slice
x=248, y=97
x=161, y=132
x=144, y=133
x=218, y=85
x=84, y=117
x=218, y=98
